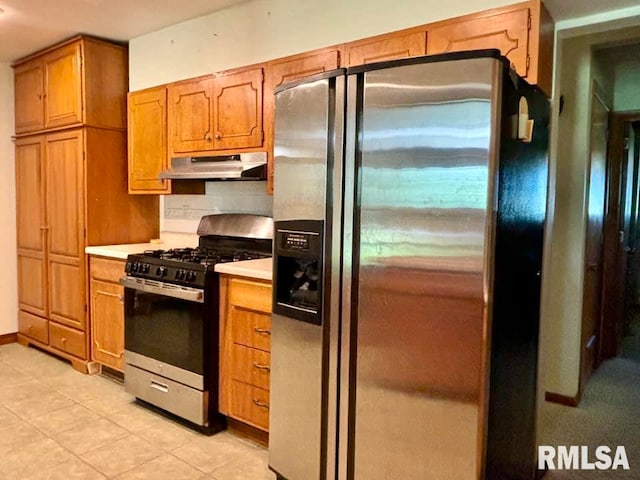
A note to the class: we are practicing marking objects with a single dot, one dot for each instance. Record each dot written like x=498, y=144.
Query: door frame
x=597, y=95
x=613, y=284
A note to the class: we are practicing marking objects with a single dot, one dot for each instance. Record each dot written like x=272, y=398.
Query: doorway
x=621, y=313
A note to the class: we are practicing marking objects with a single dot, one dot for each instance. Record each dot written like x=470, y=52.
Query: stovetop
x=190, y=267
x=203, y=255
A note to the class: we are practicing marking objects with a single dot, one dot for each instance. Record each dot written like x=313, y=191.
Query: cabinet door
x=190, y=116
x=107, y=323
x=63, y=87
x=386, y=48
x=508, y=32
x=31, y=226
x=29, y=84
x=65, y=212
x=237, y=110
x=287, y=70
x=148, y=141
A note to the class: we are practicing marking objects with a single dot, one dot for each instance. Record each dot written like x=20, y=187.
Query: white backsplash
x=182, y=213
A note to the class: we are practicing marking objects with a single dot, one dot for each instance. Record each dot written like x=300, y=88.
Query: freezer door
x=417, y=269
x=308, y=161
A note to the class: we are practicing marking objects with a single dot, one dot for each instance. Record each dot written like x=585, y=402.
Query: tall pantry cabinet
x=71, y=186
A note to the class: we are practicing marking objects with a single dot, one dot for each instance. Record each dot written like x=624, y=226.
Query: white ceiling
x=29, y=25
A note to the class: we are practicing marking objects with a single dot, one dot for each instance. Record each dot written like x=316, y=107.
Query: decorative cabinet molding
x=212, y=114
x=107, y=311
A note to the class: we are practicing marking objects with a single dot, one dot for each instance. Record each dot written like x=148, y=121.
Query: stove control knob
x=127, y=267
x=180, y=274
x=161, y=271
x=135, y=266
x=191, y=276
x=145, y=268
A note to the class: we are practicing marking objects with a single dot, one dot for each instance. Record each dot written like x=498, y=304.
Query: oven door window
x=166, y=329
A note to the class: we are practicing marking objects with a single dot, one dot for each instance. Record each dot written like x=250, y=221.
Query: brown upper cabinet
x=386, y=47
x=283, y=70
x=148, y=141
x=216, y=113
x=522, y=32
x=81, y=81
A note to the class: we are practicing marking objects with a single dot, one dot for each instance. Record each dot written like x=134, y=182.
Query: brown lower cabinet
x=245, y=333
x=71, y=191
x=107, y=311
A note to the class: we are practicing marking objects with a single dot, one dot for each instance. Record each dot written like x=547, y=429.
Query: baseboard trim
x=8, y=338
x=563, y=399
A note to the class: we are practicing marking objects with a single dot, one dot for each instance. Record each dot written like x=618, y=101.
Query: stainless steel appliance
x=242, y=166
x=409, y=204
x=171, y=316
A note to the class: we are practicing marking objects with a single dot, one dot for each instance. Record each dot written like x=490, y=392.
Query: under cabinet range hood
x=243, y=166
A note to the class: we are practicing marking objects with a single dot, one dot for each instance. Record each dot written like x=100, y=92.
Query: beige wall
x=265, y=29
x=8, y=272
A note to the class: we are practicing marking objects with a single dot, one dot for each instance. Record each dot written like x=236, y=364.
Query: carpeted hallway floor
x=609, y=414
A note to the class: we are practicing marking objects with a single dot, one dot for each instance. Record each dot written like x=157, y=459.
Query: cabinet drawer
x=251, y=329
x=250, y=404
x=250, y=366
x=251, y=295
x=106, y=269
x=68, y=340
x=34, y=327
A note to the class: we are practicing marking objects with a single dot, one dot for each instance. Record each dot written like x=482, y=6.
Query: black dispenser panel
x=298, y=270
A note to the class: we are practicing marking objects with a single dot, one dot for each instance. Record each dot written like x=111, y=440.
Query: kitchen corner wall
x=8, y=272
x=254, y=32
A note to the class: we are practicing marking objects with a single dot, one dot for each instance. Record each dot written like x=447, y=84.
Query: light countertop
x=260, y=268
x=121, y=251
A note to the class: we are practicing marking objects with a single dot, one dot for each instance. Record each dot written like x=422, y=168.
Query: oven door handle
x=167, y=290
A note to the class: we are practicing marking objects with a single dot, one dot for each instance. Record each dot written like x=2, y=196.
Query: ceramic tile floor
x=56, y=423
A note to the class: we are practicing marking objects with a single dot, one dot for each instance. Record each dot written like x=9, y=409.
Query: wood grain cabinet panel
x=29, y=94
x=251, y=366
x=81, y=81
x=508, y=32
x=71, y=186
x=250, y=404
x=67, y=340
x=281, y=71
x=388, y=47
x=31, y=228
x=191, y=116
x=237, y=110
x=107, y=312
x=148, y=141
x=208, y=115
x=33, y=326
x=63, y=86
x=245, y=366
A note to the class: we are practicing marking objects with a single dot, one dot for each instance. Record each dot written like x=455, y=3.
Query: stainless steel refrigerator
x=409, y=205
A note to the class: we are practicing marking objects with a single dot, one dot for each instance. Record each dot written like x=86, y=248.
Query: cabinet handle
x=63, y=340
x=121, y=299
x=207, y=136
x=44, y=228
x=265, y=331
x=218, y=135
x=260, y=404
x=259, y=366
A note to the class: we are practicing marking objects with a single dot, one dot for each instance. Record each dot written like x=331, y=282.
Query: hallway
x=608, y=414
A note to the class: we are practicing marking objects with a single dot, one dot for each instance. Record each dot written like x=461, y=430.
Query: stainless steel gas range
x=171, y=317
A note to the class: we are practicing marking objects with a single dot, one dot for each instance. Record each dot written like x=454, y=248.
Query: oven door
x=165, y=330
